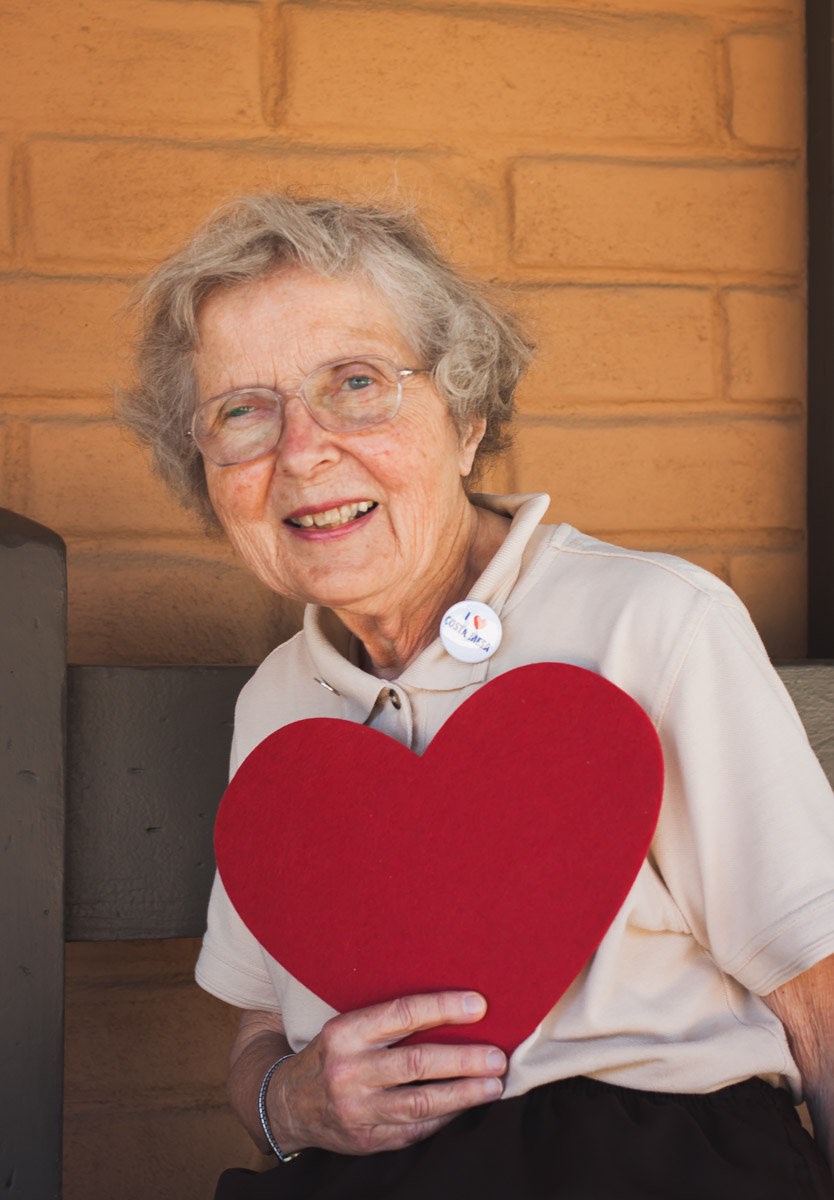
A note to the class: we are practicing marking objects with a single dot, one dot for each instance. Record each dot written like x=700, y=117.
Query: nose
x=304, y=446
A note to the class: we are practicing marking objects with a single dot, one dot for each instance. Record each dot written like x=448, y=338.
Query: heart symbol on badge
x=495, y=861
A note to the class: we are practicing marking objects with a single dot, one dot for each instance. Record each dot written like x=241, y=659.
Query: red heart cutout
x=495, y=861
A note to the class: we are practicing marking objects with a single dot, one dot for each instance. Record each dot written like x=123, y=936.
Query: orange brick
x=130, y=65
x=145, y=607
x=497, y=479
x=14, y=464
x=144, y=960
x=122, y=201
x=162, y=1154
x=134, y=1012
x=667, y=216
x=118, y=1032
x=544, y=75
x=60, y=335
x=687, y=7
x=618, y=343
x=6, y=153
x=686, y=477
x=6, y=492
x=773, y=586
x=35, y=408
x=88, y=477
x=768, y=89
x=767, y=351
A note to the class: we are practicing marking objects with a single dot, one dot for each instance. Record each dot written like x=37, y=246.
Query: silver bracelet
x=276, y=1149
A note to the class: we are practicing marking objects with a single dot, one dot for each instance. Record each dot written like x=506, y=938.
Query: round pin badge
x=470, y=631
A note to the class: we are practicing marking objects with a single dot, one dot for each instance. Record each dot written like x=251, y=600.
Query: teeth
x=333, y=517
x=330, y=516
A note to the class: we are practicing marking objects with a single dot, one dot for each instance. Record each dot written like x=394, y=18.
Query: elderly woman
x=318, y=380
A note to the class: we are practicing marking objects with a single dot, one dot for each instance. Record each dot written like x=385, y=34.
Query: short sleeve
x=231, y=964
x=746, y=838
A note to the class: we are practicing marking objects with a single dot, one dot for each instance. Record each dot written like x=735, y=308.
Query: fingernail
x=495, y=1058
x=473, y=1003
x=493, y=1087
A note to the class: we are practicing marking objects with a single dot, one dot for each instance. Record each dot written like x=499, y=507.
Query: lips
x=332, y=518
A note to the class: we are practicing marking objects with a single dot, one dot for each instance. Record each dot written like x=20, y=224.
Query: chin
x=353, y=589
x=348, y=598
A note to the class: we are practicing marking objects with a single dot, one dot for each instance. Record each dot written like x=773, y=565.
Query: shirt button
x=394, y=698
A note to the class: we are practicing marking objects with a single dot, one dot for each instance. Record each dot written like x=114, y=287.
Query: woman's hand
x=353, y=1091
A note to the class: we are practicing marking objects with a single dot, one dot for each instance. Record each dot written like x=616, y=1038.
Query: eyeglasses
x=342, y=397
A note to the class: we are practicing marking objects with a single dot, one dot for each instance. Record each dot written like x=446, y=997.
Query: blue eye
x=246, y=408
x=348, y=390
x=239, y=410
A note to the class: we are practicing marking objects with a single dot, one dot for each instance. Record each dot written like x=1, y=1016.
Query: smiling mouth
x=332, y=518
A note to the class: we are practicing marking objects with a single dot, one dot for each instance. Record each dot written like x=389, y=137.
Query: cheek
x=238, y=502
x=237, y=495
x=423, y=456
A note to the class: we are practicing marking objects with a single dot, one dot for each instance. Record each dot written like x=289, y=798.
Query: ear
x=470, y=440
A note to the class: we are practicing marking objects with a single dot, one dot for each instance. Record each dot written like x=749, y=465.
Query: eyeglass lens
x=342, y=397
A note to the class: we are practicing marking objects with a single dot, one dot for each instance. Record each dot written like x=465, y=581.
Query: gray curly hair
x=473, y=345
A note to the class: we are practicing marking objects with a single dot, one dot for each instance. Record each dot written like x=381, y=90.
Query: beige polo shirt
x=737, y=894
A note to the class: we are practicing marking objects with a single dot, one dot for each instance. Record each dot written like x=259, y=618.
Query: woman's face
x=272, y=333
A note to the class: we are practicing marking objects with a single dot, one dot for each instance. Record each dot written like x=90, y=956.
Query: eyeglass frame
x=400, y=373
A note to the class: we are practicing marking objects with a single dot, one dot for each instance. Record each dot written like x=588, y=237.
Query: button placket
x=392, y=715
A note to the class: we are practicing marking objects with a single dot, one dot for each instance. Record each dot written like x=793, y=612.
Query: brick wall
x=633, y=168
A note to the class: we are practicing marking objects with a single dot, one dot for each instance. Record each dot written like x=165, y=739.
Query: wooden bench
x=109, y=778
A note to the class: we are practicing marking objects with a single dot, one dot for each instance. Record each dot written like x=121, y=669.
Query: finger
x=417, y=1105
x=408, y=1064
x=382, y=1024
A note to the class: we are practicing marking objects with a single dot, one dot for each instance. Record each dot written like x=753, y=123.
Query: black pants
x=577, y=1140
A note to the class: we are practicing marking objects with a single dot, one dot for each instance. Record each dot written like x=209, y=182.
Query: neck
x=392, y=640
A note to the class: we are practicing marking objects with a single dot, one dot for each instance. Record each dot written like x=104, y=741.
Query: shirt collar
x=334, y=650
